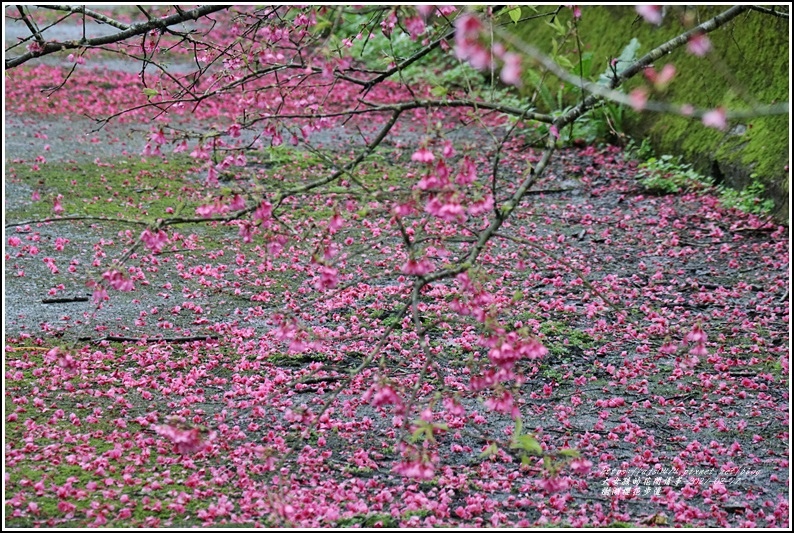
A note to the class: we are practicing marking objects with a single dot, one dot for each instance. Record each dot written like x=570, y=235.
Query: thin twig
x=65, y=300
x=127, y=32
x=116, y=338
x=76, y=217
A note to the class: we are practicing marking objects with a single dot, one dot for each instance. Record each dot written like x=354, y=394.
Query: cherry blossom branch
x=73, y=9
x=769, y=11
x=600, y=91
x=338, y=390
x=369, y=149
x=127, y=32
x=30, y=24
x=503, y=213
x=368, y=84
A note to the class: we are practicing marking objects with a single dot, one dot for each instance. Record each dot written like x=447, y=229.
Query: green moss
x=296, y=360
x=368, y=520
x=748, y=65
x=128, y=188
x=560, y=338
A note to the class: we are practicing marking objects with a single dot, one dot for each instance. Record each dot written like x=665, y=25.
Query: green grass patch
x=133, y=188
x=368, y=520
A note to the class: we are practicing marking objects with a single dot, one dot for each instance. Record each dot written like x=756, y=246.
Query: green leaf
x=493, y=449
x=515, y=14
x=564, y=62
x=439, y=91
x=547, y=463
x=569, y=452
x=586, y=64
x=150, y=92
x=628, y=55
x=557, y=26
x=418, y=434
x=527, y=443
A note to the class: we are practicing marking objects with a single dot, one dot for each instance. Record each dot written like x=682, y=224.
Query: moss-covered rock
x=746, y=67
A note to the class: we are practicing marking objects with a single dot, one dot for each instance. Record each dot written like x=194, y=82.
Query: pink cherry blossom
x=716, y=118
x=154, y=241
x=328, y=278
x=553, y=484
x=448, y=150
x=423, y=155
x=158, y=136
x=481, y=207
x=415, y=469
x=651, y=13
x=385, y=395
x=511, y=70
x=576, y=10
x=425, y=11
x=35, y=47
x=447, y=209
x=468, y=46
x=117, y=280
x=264, y=212
x=697, y=335
x=698, y=44
x=238, y=203
x=186, y=441
x=661, y=79
x=638, y=98
x=503, y=404
x=99, y=295
x=57, y=208
x=415, y=26
x=581, y=466
x=421, y=267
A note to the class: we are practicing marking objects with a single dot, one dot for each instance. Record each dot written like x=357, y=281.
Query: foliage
x=668, y=175
x=749, y=199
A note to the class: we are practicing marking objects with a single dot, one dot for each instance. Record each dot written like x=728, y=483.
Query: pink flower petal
x=716, y=118
x=651, y=14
